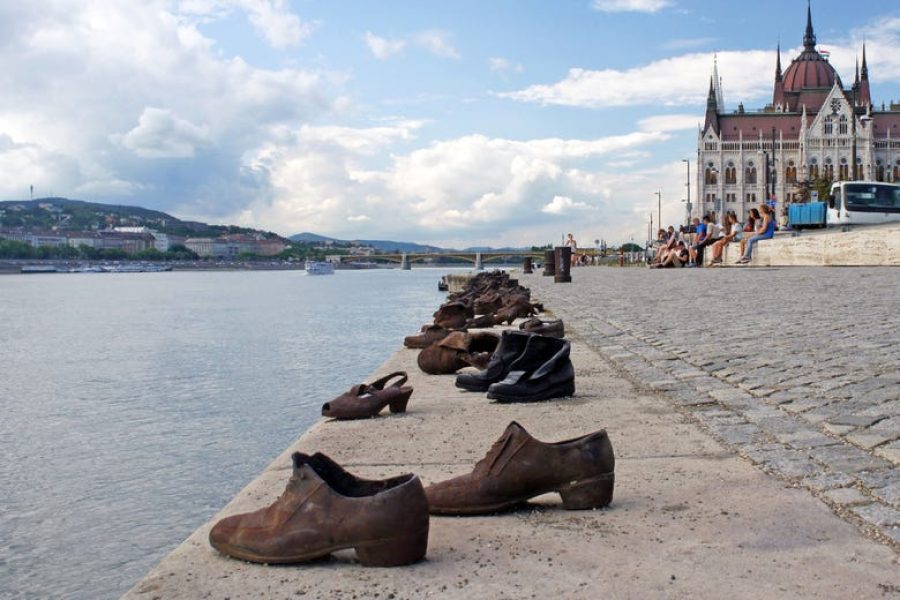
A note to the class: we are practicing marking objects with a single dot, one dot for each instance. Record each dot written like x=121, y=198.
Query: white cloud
x=437, y=42
x=672, y=81
x=96, y=93
x=383, y=48
x=502, y=65
x=670, y=122
x=272, y=19
x=161, y=134
x=649, y=6
x=359, y=218
x=563, y=205
x=471, y=186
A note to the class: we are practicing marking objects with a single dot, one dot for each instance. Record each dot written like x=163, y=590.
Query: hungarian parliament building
x=812, y=131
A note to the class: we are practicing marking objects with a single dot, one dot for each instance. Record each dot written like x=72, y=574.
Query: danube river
x=134, y=406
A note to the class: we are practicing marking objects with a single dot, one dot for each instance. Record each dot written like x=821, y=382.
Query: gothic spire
x=717, y=84
x=778, y=64
x=809, y=39
x=865, y=69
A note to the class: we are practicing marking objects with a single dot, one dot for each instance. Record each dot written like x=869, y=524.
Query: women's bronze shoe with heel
x=367, y=400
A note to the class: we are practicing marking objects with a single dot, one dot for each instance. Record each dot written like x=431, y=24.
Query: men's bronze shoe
x=323, y=509
x=428, y=335
x=519, y=467
x=457, y=350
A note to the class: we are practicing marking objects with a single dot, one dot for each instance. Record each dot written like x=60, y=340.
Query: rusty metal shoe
x=453, y=315
x=367, y=400
x=323, y=509
x=457, y=350
x=519, y=467
x=547, y=327
x=428, y=335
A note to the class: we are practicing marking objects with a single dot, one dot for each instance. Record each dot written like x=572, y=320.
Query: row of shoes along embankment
x=687, y=519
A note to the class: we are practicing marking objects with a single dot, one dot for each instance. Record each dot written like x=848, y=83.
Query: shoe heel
x=596, y=492
x=398, y=404
x=394, y=552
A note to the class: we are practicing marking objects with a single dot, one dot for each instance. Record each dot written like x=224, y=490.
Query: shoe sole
x=586, y=494
x=473, y=388
x=389, y=552
x=558, y=391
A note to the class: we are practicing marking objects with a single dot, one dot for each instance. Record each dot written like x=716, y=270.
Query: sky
x=460, y=123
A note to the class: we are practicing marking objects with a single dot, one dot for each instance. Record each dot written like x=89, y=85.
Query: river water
x=134, y=406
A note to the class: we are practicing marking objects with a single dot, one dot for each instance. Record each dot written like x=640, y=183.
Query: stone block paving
x=796, y=369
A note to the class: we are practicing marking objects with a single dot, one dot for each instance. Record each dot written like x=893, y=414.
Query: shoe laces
x=495, y=452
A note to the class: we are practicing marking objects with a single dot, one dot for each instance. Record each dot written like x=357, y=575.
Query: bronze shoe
x=323, y=509
x=519, y=467
x=367, y=400
x=457, y=350
x=428, y=335
x=452, y=315
x=546, y=327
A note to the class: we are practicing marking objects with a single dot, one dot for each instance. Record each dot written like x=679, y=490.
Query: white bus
x=863, y=202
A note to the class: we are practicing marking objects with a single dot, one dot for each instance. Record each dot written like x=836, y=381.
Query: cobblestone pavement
x=796, y=369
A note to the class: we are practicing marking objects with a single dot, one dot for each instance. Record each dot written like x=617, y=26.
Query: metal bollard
x=549, y=263
x=526, y=266
x=563, y=264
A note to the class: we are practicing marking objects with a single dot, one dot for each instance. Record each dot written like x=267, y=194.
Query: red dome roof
x=809, y=70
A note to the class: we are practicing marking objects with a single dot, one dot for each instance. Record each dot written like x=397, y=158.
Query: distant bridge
x=477, y=258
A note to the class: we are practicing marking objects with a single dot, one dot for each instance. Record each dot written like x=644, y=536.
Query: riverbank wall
x=871, y=245
x=689, y=519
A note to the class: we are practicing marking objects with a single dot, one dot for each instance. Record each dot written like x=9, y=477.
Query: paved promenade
x=795, y=369
x=691, y=518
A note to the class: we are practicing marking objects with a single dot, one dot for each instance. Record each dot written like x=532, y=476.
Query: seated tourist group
x=686, y=246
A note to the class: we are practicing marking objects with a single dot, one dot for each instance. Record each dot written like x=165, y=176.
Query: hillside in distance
x=79, y=215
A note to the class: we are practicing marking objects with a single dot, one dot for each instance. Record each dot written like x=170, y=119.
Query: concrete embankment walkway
x=690, y=519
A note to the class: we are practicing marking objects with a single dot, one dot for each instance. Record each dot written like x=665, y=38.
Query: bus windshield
x=869, y=197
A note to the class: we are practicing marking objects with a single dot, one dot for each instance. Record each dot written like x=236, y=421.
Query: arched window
x=711, y=177
x=897, y=172
x=843, y=170
x=813, y=168
x=790, y=173
x=879, y=172
x=750, y=173
x=730, y=174
x=829, y=125
x=829, y=170
x=842, y=125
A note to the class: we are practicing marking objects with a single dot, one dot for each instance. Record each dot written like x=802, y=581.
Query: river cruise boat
x=314, y=267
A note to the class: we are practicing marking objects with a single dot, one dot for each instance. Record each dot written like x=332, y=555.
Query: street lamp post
x=659, y=207
x=688, y=206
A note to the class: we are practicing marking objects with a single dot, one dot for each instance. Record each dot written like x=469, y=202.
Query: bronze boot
x=323, y=509
x=519, y=467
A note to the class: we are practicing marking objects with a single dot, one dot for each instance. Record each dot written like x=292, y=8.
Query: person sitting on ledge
x=765, y=231
x=732, y=229
x=753, y=218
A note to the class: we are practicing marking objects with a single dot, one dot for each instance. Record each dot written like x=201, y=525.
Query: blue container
x=810, y=214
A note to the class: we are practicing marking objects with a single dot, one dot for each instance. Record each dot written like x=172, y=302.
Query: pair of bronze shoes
x=325, y=508
x=367, y=400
